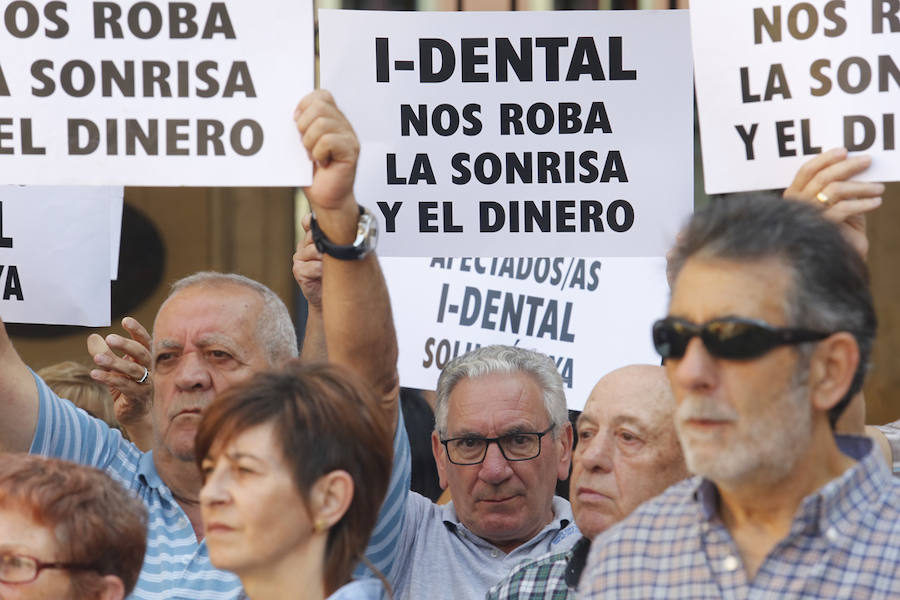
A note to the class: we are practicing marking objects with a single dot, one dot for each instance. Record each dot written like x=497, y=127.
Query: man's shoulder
x=661, y=519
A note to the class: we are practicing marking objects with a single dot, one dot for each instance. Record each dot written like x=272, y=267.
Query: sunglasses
x=731, y=337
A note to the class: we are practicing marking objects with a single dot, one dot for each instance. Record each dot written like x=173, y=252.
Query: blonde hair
x=72, y=380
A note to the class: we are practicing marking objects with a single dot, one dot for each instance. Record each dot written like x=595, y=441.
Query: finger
x=842, y=211
x=114, y=380
x=312, y=98
x=339, y=147
x=309, y=270
x=137, y=331
x=316, y=111
x=837, y=172
x=97, y=345
x=130, y=348
x=122, y=366
x=306, y=222
x=809, y=169
x=850, y=190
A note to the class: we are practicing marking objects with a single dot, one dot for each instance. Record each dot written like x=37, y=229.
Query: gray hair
x=830, y=284
x=274, y=328
x=503, y=359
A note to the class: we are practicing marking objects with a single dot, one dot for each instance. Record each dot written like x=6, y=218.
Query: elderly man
x=768, y=336
x=626, y=453
x=213, y=331
x=502, y=439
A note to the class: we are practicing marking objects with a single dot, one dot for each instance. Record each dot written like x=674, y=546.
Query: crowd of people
x=270, y=473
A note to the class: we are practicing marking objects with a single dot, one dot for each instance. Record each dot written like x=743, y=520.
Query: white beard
x=760, y=447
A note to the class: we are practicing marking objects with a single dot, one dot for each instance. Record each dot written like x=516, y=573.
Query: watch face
x=366, y=232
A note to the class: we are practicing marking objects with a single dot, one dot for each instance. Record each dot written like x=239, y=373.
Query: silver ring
x=145, y=376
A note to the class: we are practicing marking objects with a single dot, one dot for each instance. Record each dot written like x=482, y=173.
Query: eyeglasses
x=471, y=450
x=18, y=568
x=731, y=338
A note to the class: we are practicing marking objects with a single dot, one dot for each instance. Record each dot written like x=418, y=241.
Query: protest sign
x=154, y=93
x=778, y=82
x=519, y=133
x=54, y=255
x=590, y=315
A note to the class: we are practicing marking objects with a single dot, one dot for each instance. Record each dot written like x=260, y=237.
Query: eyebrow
x=512, y=430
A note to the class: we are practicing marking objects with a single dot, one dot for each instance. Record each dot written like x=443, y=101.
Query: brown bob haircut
x=95, y=520
x=325, y=420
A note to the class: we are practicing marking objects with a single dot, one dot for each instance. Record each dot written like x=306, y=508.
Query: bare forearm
x=314, y=348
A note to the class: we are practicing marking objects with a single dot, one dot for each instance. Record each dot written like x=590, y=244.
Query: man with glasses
x=502, y=439
x=768, y=337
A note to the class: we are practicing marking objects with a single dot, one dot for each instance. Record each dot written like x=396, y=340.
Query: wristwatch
x=366, y=238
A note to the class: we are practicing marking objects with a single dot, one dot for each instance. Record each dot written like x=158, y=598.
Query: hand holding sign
x=826, y=179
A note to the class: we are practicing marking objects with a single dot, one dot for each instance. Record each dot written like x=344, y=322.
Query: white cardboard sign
x=517, y=133
x=590, y=315
x=55, y=255
x=154, y=93
x=778, y=82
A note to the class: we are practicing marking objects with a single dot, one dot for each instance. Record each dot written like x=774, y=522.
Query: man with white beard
x=768, y=336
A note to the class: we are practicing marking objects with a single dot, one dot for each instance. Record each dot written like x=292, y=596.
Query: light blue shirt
x=176, y=564
x=359, y=589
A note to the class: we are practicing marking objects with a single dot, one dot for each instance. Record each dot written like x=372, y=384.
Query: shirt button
x=494, y=554
x=730, y=563
x=832, y=534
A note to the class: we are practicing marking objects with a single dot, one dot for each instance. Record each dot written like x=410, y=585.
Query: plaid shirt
x=844, y=542
x=550, y=577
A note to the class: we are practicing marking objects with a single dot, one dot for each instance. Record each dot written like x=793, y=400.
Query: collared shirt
x=843, y=543
x=438, y=557
x=550, y=577
x=176, y=565
x=891, y=432
x=359, y=589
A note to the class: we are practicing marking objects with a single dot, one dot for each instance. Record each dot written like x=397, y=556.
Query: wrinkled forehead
x=709, y=288
x=639, y=395
x=223, y=308
x=504, y=400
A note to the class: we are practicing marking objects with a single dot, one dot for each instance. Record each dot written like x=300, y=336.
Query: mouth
x=214, y=528
x=588, y=495
x=187, y=412
x=497, y=501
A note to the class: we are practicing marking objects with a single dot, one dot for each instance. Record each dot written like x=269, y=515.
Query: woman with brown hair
x=296, y=464
x=67, y=531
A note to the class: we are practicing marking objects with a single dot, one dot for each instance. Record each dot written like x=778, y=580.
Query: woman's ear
x=113, y=588
x=330, y=498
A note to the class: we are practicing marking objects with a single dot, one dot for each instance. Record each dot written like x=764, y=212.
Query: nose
x=695, y=371
x=597, y=454
x=495, y=468
x=215, y=488
x=192, y=373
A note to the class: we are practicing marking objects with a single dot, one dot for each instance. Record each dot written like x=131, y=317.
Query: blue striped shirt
x=176, y=564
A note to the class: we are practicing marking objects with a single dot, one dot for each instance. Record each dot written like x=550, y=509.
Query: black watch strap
x=360, y=248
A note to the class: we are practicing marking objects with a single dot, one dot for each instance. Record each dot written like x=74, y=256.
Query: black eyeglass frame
x=496, y=440
x=40, y=565
x=767, y=338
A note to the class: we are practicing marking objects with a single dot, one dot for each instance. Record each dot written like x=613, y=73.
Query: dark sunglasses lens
x=738, y=339
x=670, y=340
